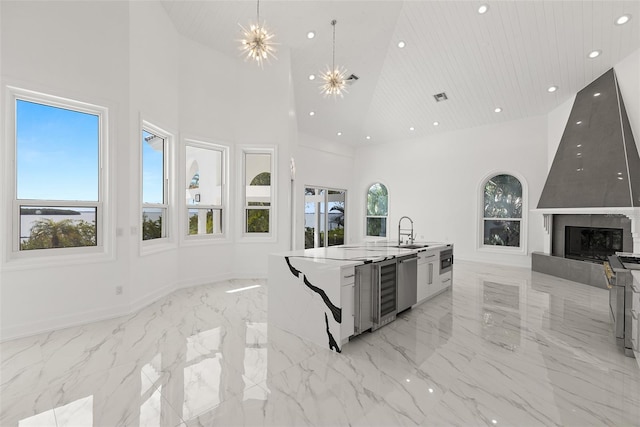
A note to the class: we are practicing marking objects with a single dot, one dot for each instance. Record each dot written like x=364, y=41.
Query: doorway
x=324, y=217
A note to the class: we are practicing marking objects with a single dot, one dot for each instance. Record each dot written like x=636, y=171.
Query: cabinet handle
x=351, y=275
x=446, y=280
x=430, y=274
x=634, y=314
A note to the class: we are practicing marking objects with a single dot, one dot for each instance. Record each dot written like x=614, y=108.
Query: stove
x=617, y=270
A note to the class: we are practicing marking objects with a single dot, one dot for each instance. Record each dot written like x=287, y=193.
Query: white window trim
x=105, y=227
x=366, y=213
x=524, y=223
x=205, y=239
x=148, y=247
x=272, y=235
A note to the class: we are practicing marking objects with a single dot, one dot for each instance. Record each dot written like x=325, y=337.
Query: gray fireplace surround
x=594, y=181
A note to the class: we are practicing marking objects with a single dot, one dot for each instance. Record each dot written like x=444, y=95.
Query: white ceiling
x=506, y=58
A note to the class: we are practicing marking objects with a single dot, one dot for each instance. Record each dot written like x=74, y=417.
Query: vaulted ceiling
x=507, y=57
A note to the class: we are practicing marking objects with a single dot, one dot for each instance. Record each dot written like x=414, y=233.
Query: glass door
x=324, y=214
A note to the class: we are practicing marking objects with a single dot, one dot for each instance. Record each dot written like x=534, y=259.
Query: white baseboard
x=78, y=319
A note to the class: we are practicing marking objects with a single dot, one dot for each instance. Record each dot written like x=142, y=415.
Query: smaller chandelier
x=334, y=79
x=257, y=43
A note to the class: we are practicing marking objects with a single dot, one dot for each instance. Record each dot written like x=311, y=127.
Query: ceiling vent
x=440, y=97
x=351, y=79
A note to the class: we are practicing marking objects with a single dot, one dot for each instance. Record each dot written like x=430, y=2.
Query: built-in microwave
x=446, y=260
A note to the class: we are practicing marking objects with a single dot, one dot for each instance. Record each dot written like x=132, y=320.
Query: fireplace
x=593, y=244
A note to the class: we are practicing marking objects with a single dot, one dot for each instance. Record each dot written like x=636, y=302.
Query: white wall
x=128, y=57
x=628, y=75
x=436, y=180
x=324, y=164
x=80, y=51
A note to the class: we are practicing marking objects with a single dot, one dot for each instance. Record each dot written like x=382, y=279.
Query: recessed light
x=579, y=122
x=497, y=110
x=408, y=380
x=430, y=390
x=623, y=19
x=368, y=137
x=579, y=145
x=436, y=123
x=412, y=128
x=552, y=89
x=339, y=134
x=494, y=421
x=594, y=53
x=401, y=44
x=312, y=113
x=483, y=9
x=311, y=34
x=596, y=94
x=312, y=76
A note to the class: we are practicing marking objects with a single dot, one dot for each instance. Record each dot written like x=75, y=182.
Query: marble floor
x=504, y=347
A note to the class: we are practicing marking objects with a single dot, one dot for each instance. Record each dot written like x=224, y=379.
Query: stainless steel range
x=620, y=281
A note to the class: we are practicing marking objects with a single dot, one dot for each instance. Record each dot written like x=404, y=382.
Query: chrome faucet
x=400, y=231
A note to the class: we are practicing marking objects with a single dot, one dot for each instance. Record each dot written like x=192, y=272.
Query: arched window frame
x=520, y=250
x=367, y=216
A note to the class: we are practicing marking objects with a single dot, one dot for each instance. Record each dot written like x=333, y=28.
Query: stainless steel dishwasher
x=407, y=281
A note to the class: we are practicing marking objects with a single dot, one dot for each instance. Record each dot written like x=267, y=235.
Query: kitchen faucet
x=400, y=231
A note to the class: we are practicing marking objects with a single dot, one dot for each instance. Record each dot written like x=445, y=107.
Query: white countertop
x=359, y=253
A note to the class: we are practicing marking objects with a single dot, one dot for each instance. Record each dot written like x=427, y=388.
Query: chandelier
x=256, y=43
x=334, y=81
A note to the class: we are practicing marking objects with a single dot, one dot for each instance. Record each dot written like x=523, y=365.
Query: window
x=258, y=196
x=155, y=183
x=324, y=209
x=377, y=210
x=205, y=192
x=502, y=211
x=58, y=174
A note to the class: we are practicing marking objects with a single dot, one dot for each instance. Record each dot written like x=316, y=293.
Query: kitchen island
x=317, y=293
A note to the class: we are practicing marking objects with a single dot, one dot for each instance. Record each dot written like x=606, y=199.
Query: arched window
x=502, y=213
x=377, y=210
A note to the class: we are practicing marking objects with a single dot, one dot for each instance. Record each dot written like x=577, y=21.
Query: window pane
x=204, y=176
x=503, y=197
x=257, y=220
x=336, y=218
x=258, y=179
x=377, y=227
x=44, y=227
x=377, y=200
x=57, y=153
x=502, y=233
x=205, y=221
x=152, y=219
x=152, y=168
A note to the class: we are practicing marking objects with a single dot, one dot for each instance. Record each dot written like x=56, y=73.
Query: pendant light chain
x=258, y=11
x=333, y=57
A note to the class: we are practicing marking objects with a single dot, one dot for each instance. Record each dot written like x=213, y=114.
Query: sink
x=413, y=246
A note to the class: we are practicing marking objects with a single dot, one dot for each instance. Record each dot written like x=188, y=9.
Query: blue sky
x=57, y=153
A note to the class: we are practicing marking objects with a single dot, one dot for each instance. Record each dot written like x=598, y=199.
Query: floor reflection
x=503, y=344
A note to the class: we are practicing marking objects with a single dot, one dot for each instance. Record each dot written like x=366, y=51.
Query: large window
x=58, y=174
x=377, y=210
x=205, y=188
x=324, y=213
x=155, y=183
x=502, y=211
x=258, y=194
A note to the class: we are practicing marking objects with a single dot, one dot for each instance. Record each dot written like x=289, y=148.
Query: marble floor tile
x=504, y=346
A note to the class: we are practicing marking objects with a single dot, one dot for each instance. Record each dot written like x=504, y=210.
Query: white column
x=548, y=233
x=635, y=229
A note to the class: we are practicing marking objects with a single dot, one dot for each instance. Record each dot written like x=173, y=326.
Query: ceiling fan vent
x=440, y=97
x=351, y=79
